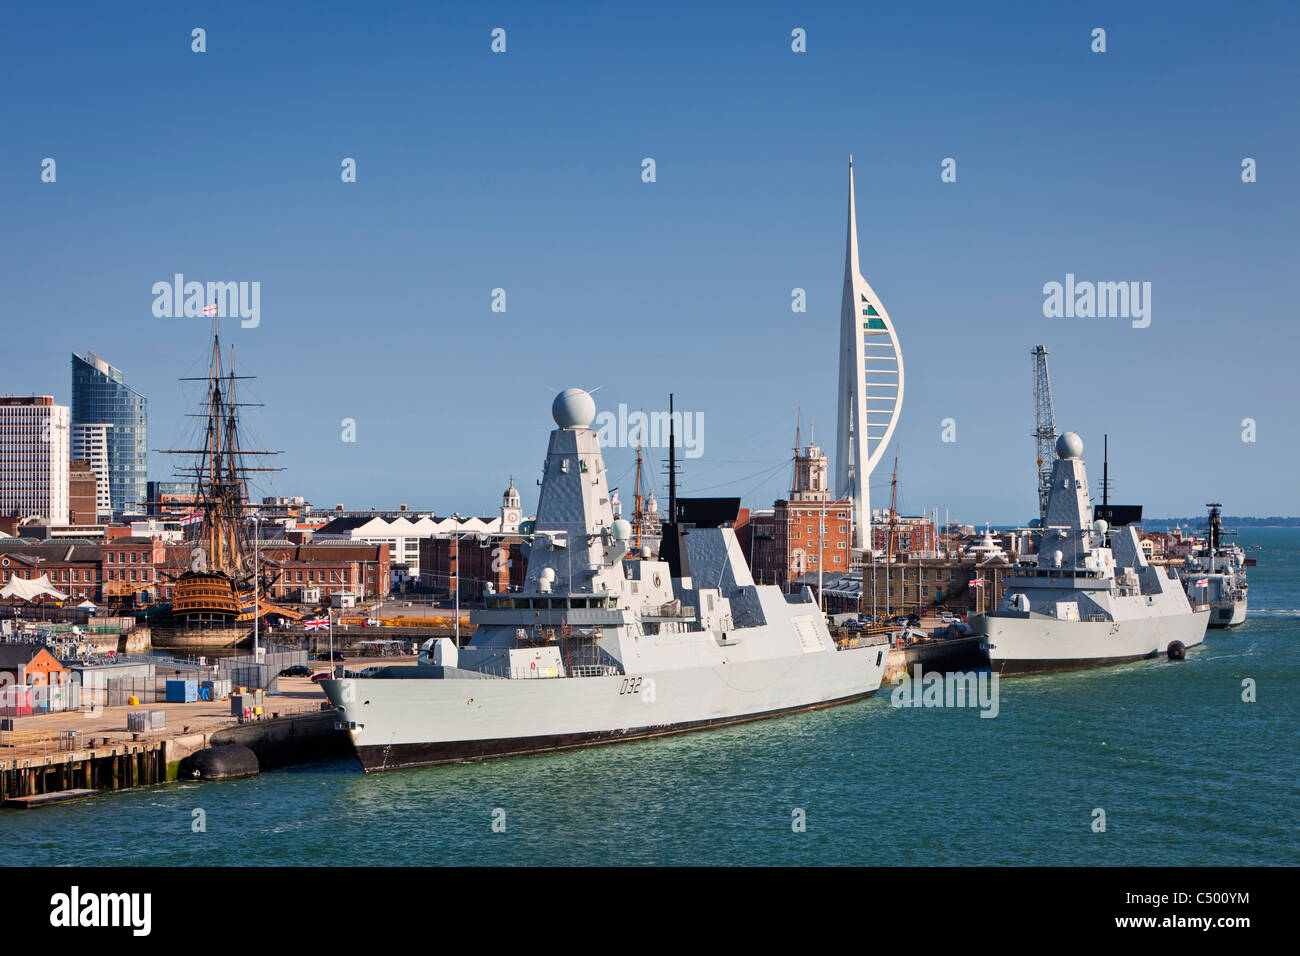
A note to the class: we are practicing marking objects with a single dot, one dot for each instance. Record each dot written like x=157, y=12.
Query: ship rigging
x=219, y=588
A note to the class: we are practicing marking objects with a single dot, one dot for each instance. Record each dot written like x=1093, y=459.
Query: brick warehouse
x=138, y=569
x=914, y=585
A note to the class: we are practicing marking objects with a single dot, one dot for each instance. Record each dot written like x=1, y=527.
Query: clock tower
x=511, y=514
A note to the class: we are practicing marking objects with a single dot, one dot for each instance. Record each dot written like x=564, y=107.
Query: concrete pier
x=92, y=750
x=935, y=656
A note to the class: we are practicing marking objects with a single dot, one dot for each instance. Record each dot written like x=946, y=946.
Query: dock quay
x=49, y=754
x=946, y=655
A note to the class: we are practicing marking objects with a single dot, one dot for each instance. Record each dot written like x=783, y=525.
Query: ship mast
x=637, y=515
x=219, y=474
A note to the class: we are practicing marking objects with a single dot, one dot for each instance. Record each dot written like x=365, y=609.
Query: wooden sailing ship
x=220, y=588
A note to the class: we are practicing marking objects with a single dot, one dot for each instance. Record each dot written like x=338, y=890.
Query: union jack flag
x=977, y=582
x=316, y=623
x=210, y=309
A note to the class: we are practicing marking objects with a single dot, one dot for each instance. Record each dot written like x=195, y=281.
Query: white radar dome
x=1100, y=526
x=573, y=408
x=1068, y=445
x=621, y=529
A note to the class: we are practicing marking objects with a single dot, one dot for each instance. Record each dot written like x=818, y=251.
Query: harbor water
x=1182, y=770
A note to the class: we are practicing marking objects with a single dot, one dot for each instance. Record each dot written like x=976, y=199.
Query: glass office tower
x=100, y=395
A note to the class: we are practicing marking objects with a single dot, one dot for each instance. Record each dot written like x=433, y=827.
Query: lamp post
x=821, y=554
x=456, y=535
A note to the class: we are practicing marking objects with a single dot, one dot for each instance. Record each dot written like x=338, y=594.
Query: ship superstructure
x=604, y=643
x=1216, y=574
x=1091, y=598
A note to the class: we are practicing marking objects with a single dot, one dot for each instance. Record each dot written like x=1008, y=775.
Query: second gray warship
x=1092, y=598
x=603, y=643
x=1216, y=575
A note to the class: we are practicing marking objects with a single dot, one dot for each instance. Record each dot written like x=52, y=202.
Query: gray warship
x=603, y=643
x=1091, y=598
x=1216, y=574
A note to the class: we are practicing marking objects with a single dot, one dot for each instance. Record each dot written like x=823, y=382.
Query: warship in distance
x=1216, y=574
x=604, y=644
x=1092, y=598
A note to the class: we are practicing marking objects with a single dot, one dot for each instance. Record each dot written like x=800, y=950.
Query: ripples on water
x=1185, y=771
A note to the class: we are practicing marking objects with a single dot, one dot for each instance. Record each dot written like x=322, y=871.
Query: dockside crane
x=1045, y=428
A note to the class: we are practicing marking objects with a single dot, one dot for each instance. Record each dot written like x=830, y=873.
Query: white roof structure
x=28, y=590
x=422, y=527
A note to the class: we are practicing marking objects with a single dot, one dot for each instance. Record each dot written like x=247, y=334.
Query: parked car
x=371, y=622
x=297, y=670
x=317, y=678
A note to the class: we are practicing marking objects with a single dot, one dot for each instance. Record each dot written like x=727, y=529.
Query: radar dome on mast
x=1069, y=445
x=573, y=408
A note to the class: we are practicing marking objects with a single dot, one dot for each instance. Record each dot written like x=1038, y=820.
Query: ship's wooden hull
x=205, y=597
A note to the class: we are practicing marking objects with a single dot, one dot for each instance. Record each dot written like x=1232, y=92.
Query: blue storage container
x=182, y=691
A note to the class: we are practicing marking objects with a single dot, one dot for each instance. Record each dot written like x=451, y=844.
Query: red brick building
x=360, y=569
x=472, y=561
x=808, y=531
x=72, y=568
x=134, y=564
x=81, y=493
x=140, y=570
x=911, y=535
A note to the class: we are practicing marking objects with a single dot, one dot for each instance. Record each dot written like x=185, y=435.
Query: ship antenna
x=637, y=515
x=672, y=463
x=1105, y=476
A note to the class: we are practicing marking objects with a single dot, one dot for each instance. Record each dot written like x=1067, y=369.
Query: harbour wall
x=117, y=765
x=943, y=656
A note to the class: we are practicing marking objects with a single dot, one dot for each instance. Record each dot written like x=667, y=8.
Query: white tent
x=30, y=590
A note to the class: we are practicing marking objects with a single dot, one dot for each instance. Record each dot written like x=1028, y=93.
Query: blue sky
x=522, y=171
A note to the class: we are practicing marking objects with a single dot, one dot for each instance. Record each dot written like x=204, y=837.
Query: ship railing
x=861, y=640
x=593, y=670
x=44, y=740
x=500, y=667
